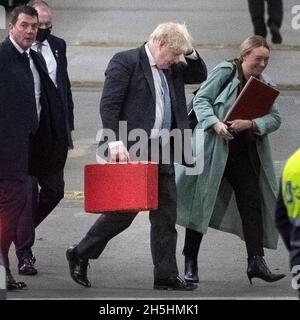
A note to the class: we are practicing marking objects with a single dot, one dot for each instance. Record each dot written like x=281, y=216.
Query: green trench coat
x=205, y=200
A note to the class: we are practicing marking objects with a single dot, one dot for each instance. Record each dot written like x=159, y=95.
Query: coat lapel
x=147, y=71
x=39, y=61
x=234, y=84
x=53, y=49
x=56, y=54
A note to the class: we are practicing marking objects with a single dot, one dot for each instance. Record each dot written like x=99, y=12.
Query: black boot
x=190, y=251
x=257, y=268
x=78, y=267
x=191, y=270
x=276, y=36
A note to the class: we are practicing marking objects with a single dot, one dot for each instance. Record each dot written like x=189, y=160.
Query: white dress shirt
x=49, y=58
x=159, y=96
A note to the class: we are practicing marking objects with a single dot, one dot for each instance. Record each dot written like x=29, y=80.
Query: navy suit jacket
x=18, y=114
x=129, y=92
x=50, y=142
x=28, y=146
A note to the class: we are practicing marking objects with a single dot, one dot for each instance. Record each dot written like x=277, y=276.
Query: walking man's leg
x=91, y=246
x=50, y=193
x=164, y=235
x=275, y=12
x=257, y=13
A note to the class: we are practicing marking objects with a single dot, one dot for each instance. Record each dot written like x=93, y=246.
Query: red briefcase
x=128, y=186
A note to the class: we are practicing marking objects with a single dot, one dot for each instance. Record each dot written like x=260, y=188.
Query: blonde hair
x=251, y=43
x=173, y=35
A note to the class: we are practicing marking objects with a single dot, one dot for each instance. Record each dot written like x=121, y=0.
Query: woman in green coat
x=236, y=192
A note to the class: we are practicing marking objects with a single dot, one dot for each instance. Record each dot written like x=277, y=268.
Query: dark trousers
x=47, y=191
x=50, y=193
x=257, y=12
x=25, y=234
x=13, y=200
x=163, y=236
x=242, y=172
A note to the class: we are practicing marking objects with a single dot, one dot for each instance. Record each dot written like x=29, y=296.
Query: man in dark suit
x=145, y=87
x=53, y=50
x=275, y=17
x=19, y=120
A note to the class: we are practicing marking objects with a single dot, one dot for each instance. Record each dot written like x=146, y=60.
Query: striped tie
x=167, y=119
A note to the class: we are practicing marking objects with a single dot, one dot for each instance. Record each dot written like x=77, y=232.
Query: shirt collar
x=44, y=43
x=17, y=46
x=149, y=55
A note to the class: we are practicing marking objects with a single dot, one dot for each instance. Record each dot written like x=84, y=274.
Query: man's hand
x=119, y=153
x=222, y=130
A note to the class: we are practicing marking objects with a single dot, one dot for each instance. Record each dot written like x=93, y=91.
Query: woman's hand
x=239, y=125
x=222, y=130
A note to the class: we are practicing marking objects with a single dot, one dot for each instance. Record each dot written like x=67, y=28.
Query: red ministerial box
x=254, y=101
x=128, y=186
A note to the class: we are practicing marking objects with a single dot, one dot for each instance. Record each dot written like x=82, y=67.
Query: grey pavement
x=209, y=21
x=124, y=270
x=91, y=62
x=95, y=30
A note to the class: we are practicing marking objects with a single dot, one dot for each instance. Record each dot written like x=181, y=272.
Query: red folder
x=254, y=101
x=128, y=186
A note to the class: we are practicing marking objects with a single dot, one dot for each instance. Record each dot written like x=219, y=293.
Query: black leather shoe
x=78, y=267
x=27, y=268
x=257, y=268
x=191, y=270
x=174, y=283
x=12, y=284
x=276, y=36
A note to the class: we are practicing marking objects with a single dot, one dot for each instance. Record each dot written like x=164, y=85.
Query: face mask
x=43, y=34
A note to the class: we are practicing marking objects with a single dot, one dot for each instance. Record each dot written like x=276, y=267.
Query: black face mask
x=43, y=34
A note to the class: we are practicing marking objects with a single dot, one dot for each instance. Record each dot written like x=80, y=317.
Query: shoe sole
x=174, y=289
x=28, y=273
x=68, y=255
x=17, y=286
x=191, y=280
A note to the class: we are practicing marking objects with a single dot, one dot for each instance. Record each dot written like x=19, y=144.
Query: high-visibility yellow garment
x=291, y=185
